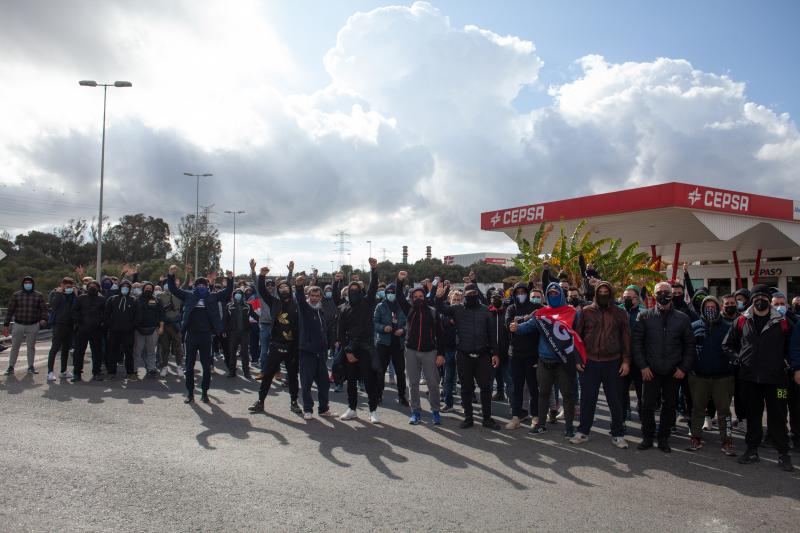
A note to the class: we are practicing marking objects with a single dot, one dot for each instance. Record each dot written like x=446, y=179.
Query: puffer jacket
x=473, y=325
x=711, y=360
x=663, y=341
x=499, y=331
x=761, y=355
x=605, y=330
x=89, y=312
x=386, y=316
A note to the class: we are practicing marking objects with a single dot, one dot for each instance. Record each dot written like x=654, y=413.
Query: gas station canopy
x=700, y=223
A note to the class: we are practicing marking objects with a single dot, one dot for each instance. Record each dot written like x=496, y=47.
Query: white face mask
x=157, y=293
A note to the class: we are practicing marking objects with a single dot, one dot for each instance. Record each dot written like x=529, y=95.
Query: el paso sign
x=666, y=195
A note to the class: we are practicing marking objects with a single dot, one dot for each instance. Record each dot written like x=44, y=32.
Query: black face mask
x=677, y=301
x=471, y=301
x=92, y=291
x=603, y=300
x=354, y=297
x=628, y=303
x=761, y=304
x=797, y=309
x=419, y=303
x=664, y=299
x=574, y=301
x=497, y=303
x=730, y=310
x=148, y=294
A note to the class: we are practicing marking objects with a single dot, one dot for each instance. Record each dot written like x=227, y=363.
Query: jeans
x=362, y=369
x=255, y=340
x=635, y=377
x=502, y=377
x=147, y=344
x=26, y=332
x=314, y=369
x=470, y=370
x=393, y=354
x=280, y=354
x=664, y=387
x=449, y=378
x=93, y=338
x=594, y=374
x=198, y=344
x=62, y=340
x=264, y=335
x=523, y=370
x=549, y=373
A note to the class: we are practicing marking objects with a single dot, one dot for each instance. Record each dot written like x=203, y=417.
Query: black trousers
x=523, y=370
x=198, y=344
x=549, y=373
x=470, y=370
x=280, y=353
x=665, y=388
x=120, y=348
x=793, y=399
x=739, y=404
x=394, y=354
x=94, y=339
x=775, y=397
x=635, y=377
x=364, y=370
x=238, y=340
x=62, y=341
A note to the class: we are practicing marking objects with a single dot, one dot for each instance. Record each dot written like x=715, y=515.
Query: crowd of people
x=680, y=349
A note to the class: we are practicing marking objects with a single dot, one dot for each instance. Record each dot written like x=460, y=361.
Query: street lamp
x=105, y=86
x=197, y=221
x=370, y=248
x=234, y=213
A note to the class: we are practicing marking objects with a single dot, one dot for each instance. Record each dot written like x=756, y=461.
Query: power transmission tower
x=383, y=253
x=342, y=243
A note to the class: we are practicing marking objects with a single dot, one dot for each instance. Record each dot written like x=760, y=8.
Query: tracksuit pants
x=314, y=369
x=20, y=333
x=279, y=353
x=719, y=389
x=756, y=396
x=393, y=354
x=120, y=347
x=470, y=370
x=548, y=373
x=238, y=341
x=364, y=370
x=523, y=370
x=418, y=363
x=198, y=345
x=170, y=342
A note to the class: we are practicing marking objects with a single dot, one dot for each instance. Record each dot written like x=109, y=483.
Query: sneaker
x=447, y=409
x=551, y=416
x=740, y=426
x=727, y=448
x=32, y=370
x=204, y=398
x=308, y=416
x=467, y=423
x=490, y=423
x=579, y=438
x=695, y=444
x=748, y=457
x=350, y=414
x=620, y=443
x=415, y=418
x=76, y=378
x=785, y=463
x=707, y=424
x=189, y=398
x=51, y=376
x=514, y=423
x=664, y=447
x=9, y=371
x=560, y=414
x=538, y=429
x=646, y=444
x=295, y=407
x=97, y=377
x=437, y=418
x=337, y=387
x=65, y=375
x=403, y=401
x=327, y=414
x=257, y=407
x=132, y=376
x=180, y=371
x=164, y=372
x=568, y=434
x=373, y=417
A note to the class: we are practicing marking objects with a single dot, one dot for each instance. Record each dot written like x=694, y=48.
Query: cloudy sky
x=399, y=123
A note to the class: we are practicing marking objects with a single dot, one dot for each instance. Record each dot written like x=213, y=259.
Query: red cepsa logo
x=720, y=199
x=520, y=215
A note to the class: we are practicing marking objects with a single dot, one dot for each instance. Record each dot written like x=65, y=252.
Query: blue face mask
x=536, y=300
x=124, y=291
x=237, y=297
x=201, y=291
x=68, y=290
x=391, y=296
x=381, y=294
x=781, y=309
x=554, y=301
x=522, y=298
x=739, y=305
x=328, y=295
x=27, y=286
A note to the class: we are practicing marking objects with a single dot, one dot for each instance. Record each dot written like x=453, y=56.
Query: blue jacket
x=212, y=301
x=711, y=360
x=532, y=326
x=383, y=318
x=313, y=329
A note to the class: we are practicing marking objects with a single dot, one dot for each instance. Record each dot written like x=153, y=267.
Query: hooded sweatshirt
x=531, y=326
x=711, y=360
x=605, y=330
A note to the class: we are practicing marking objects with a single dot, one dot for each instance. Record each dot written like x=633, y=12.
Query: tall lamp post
x=234, y=213
x=197, y=221
x=105, y=86
x=370, y=248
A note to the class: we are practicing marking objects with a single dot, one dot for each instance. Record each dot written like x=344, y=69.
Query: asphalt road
x=116, y=456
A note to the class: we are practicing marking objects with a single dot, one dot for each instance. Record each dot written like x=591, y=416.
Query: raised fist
x=300, y=280
x=173, y=269
x=290, y=266
x=264, y=271
x=228, y=274
x=402, y=275
x=440, y=291
x=373, y=262
x=253, y=264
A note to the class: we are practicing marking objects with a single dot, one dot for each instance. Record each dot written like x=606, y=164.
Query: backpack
x=742, y=319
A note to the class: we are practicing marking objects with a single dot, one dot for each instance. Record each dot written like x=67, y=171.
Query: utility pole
x=342, y=243
x=234, y=213
x=197, y=221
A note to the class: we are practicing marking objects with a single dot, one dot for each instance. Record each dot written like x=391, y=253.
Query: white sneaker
x=620, y=443
x=180, y=371
x=350, y=414
x=514, y=423
x=373, y=417
x=308, y=416
x=560, y=415
x=65, y=375
x=579, y=438
x=707, y=424
x=51, y=376
x=164, y=372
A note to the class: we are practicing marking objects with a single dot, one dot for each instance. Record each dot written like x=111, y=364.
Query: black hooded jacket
x=355, y=326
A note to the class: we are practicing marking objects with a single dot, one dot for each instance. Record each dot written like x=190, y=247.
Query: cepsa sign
x=728, y=201
x=518, y=215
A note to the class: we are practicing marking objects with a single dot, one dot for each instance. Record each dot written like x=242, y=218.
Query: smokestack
x=427, y=252
x=405, y=255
